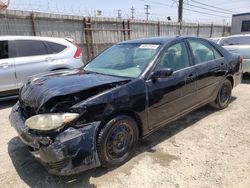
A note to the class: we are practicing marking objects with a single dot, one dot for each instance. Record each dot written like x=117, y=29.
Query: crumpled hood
x=41, y=88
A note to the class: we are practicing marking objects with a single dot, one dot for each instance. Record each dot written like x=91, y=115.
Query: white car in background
x=239, y=44
x=24, y=56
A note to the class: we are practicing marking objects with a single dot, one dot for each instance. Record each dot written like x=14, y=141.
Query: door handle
x=50, y=59
x=5, y=65
x=190, y=78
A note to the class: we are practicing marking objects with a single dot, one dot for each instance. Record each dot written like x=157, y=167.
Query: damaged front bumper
x=69, y=152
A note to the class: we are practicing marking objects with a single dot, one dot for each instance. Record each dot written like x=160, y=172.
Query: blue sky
x=159, y=9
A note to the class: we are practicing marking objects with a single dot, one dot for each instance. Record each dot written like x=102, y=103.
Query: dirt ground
x=207, y=148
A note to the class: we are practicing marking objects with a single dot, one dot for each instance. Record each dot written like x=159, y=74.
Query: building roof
x=242, y=14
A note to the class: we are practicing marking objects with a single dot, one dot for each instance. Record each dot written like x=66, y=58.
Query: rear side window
x=4, y=50
x=203, y=52
x=30, y=48
x=55, y=48
x=241, y=40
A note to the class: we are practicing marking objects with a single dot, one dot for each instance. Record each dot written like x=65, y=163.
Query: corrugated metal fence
x=96, y=34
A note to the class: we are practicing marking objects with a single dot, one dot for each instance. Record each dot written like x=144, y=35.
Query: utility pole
x=119, y=13
x=180, y=14
x=147, y=7
x=180, y=11
x=132, y=13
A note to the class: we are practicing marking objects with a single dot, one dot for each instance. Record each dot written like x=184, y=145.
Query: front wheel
x=117, y=141
x=224, y=95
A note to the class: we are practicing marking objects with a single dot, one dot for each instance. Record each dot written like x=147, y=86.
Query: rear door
x=210, y=68
x=33, y=57
x=8, y=83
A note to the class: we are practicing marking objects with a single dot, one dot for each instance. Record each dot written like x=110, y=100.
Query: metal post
x=198, y=30
x=147, y=7
x=159, y=29
x=33, y=23
x=92, y=55
x=211, y=30
x=223, y=31
x=128, y=25
x=124, y=30
x=88, y=38
x=180, y=15
x=180, y=11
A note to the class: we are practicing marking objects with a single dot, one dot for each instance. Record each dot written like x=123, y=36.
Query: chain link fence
x=95, y=34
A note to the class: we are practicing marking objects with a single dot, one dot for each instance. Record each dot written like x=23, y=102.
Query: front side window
x=203, y=52
x=125, y=60
x=175, y=57
x=30, y=48
x=4, y=50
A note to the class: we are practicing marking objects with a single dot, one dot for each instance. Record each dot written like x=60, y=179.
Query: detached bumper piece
x=69, y=152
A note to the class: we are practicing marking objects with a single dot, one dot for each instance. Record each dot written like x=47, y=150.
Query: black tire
x=117, y=140
x=224, y=95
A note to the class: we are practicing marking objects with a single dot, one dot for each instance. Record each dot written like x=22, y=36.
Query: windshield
x=125, y=60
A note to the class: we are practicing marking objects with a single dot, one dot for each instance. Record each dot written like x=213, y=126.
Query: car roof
x=16, y=37
x=238, y=35
x=151, y=40
x=156, y=40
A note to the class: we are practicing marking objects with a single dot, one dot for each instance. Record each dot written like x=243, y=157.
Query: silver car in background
x=239, y=44
x=24, y=56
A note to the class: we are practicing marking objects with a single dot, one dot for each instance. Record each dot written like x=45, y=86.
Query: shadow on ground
x=7, y=103
x=34, y=175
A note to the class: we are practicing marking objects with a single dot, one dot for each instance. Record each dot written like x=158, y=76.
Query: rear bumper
x=246, y=66
x=237, y=78
x=69, y=152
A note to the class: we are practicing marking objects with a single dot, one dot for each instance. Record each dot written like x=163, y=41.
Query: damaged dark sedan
x=77, y=120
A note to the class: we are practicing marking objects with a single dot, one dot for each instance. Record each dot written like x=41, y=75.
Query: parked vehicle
x=23, y=56
x=216, y=40
x=239, y=44
x=77, y=120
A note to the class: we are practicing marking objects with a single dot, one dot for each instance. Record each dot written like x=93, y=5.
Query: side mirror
x=162, y=73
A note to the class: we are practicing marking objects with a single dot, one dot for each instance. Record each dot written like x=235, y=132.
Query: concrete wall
x=237, y=23
x=103, y=32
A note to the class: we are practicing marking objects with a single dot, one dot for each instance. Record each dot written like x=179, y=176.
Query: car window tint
x=54, y=47
x=216, y=53
x=202, y=51
x=4, y=50
x=239, y=40
x=30, y=48
x=175, y=57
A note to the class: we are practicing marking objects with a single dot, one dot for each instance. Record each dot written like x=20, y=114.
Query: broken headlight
x=47, y=122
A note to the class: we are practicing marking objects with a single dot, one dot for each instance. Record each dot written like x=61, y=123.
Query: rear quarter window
x=55, y=48
x=203, y=51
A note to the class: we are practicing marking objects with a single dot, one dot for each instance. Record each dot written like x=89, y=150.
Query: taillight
x=241, y=59
x=78, y=53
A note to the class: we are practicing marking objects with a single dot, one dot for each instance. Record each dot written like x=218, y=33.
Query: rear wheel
x=224, y=95
x=117, y=141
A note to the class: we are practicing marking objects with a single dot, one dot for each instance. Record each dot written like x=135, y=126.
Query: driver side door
x=169, y=97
